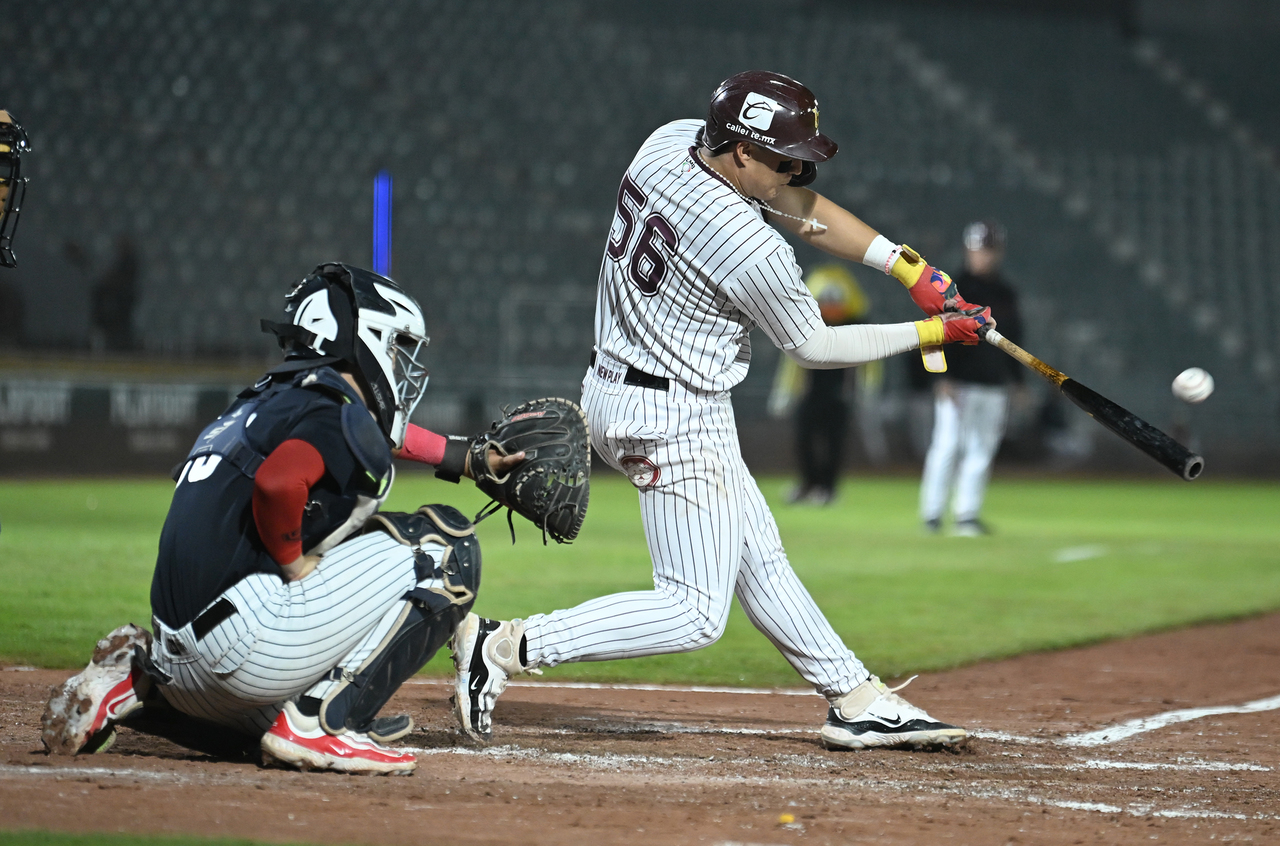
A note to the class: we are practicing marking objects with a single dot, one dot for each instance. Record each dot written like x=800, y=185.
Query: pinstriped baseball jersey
x=691, y=268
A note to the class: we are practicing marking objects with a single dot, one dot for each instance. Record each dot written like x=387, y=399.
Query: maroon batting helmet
x=772, y=111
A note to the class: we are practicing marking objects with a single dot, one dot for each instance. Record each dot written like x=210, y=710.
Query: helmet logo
x=315, y=316
x=757, y=111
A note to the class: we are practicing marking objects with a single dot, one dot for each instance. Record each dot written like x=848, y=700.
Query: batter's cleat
x=874, y=715
x=82, y=714
x=298, y=741
x=486, y=653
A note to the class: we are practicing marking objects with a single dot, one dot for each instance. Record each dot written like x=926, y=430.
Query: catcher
x=285, y=605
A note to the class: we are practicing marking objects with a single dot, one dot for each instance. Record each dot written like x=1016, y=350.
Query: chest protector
x=330, y=516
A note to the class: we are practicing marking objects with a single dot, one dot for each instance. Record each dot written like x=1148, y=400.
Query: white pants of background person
x=968, y=424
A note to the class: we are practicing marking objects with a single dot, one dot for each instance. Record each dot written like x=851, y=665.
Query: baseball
x=1193, y=385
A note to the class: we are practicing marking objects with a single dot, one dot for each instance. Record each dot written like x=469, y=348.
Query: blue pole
x=382, y=223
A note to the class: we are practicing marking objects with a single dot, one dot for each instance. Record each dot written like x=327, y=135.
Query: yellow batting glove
x=908, y=267
x=932, y=333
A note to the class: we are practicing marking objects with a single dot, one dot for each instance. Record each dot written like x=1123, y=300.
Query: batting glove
x=954, y=326
x=930, y=288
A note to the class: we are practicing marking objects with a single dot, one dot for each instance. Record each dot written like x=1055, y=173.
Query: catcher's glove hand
x=551, y=486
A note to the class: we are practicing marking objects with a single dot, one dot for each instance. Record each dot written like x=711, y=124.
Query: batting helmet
x=345, y=314
x=13, y=185
x=772, y=111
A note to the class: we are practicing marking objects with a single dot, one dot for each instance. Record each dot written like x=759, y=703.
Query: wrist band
x=882, y=254
x=452, y=467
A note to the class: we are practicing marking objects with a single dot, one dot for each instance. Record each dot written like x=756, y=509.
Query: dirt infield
x=662, y=765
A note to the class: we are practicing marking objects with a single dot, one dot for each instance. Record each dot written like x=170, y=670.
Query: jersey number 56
x=647, y=263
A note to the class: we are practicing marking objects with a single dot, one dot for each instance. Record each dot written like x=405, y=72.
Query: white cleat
x=81, y=715
x=486, y=654
x=874, y=715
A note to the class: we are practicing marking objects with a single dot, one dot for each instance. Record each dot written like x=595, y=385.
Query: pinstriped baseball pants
x=286, y=637
x=710, y=534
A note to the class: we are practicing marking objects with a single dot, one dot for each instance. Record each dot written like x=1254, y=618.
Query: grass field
x=1072, y=562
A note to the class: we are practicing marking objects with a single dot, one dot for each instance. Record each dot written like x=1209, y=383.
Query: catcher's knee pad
x=452, y=537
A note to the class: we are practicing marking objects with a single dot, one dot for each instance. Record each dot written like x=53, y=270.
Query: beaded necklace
x=812, y=222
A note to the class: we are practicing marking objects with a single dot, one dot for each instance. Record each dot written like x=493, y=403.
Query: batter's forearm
x=846, y=236
x=844, y=346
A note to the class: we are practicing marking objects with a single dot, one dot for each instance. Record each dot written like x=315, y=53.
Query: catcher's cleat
x=389, y=729
x=873, y=715
x=82, y=714
x=486, y=653
x=298, y=741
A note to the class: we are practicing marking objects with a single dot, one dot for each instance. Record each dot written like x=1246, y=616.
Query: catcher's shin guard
x=445, y=593
x=359, y=696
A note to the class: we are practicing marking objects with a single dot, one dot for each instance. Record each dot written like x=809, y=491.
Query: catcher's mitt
x=551, y=486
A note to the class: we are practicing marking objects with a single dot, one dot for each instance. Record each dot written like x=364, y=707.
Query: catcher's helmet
x=13, y=143
x=772, y=111
x=340, y=313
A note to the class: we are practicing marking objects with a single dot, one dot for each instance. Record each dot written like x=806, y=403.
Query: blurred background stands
x=234, y=145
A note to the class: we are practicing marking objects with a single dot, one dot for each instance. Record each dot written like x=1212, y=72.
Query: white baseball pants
x=285, y=637
x=710, y=536
x=968, y=424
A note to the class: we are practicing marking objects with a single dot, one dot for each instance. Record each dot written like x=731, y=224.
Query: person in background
x=971, y=402
x=817, y=396
x=13, y=143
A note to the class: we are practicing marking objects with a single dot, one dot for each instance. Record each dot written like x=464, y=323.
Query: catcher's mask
x=772, y=111
x=13, y=143
x=345, y=314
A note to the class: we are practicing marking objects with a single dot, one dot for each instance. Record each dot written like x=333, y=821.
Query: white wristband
x=882, y=254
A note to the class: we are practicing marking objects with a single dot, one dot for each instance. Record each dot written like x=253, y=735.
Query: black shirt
x=984, y=364
x=210, y=541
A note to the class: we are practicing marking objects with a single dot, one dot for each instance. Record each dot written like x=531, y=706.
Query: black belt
x=212, y=616
x=640, y=379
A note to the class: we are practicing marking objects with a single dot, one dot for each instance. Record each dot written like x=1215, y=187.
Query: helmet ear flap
x=808, y=173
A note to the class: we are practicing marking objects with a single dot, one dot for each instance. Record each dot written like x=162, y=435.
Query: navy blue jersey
x=210, y=541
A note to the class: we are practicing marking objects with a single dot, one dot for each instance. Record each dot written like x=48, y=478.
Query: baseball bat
x=1123, y=422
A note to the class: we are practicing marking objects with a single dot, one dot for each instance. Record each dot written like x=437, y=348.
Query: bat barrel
x=1135, y=430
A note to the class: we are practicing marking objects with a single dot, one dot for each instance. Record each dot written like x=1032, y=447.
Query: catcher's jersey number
x=648, y=263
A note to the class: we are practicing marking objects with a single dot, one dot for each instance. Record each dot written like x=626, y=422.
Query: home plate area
x=1167, y=738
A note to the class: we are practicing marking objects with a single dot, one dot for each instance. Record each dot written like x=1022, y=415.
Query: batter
x=692, y=264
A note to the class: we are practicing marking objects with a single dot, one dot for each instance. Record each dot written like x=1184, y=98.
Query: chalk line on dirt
x=1128, y=729
x=663, y=688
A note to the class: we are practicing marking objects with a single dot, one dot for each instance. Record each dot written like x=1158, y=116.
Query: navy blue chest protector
x=228, y=435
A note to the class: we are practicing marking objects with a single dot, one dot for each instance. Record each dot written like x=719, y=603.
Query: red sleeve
x=422, y=445
x=280, y=489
